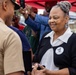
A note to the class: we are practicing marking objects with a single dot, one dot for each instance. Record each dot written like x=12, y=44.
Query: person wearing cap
x=40, y=23
x=11, y=59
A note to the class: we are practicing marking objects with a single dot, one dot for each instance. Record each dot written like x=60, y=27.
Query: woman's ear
x=67, y=18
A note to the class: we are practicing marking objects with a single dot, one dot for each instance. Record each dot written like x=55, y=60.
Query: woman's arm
x=64, y=71
x=45, y=71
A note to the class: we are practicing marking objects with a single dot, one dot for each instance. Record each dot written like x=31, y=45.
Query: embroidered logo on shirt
x=59, y=50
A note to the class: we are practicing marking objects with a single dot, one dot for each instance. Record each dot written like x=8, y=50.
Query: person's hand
x=38, y=72
x=24, y=12
x=30, y=11
x=29, y=8
x=42, y=71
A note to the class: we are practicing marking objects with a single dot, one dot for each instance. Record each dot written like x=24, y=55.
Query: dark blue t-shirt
x=25, y=44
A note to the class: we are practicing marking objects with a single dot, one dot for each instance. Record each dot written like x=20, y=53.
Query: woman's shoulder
x=73, y=35
x=72, y=38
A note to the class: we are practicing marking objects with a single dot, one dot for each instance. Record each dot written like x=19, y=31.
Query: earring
x=66, y=25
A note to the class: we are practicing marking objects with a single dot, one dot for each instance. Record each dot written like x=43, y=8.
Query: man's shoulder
x=7, y=32
x=4, y=29
x=8, y=36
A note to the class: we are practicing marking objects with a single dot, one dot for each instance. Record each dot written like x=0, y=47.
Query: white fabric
x=47, y=60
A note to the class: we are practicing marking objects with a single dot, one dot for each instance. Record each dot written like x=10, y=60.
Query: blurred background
x=40, y=6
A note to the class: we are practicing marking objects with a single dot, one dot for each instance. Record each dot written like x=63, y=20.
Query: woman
x=57, y=49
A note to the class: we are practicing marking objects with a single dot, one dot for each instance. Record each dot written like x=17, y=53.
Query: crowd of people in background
x=37, y=23
x=52, y=53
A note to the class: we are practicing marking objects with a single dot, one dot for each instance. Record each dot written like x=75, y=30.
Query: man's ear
x=4, y=4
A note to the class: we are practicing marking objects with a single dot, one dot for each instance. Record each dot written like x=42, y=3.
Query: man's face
x=9, y=11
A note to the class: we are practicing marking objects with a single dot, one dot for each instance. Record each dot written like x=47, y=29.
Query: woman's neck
x=58, y=33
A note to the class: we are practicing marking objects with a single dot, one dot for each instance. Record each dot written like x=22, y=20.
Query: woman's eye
x=56, y=17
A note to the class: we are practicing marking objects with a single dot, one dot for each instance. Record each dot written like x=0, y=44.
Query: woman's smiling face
x=57, y=19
